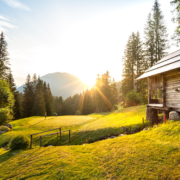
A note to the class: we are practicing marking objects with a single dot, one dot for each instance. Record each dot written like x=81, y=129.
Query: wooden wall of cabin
x=172, y=82
x=155, y=89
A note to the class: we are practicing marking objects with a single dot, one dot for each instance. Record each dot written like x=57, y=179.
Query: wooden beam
x=164, y=90
x=160, y=108
x=149, y=91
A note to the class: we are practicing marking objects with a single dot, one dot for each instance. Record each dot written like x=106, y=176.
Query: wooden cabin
x=163, y=86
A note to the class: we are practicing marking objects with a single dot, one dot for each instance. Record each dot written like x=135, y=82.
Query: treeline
x=102, y=98
x=37, y=98
x=140, y=55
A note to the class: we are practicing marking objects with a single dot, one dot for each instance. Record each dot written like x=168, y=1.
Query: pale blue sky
x=81, y=37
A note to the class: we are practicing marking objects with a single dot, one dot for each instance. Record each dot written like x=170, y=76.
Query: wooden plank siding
x=172, y=96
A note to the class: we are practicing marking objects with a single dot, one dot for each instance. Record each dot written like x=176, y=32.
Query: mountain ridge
x=62, y=84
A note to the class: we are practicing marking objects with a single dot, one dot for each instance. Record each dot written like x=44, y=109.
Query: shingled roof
x=167, y=63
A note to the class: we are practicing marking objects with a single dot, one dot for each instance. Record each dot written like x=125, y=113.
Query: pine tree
x=176, y=19
x=58, y=105
x=133, y=64
x=4, y=60
x=39, y=104
x=155, y=35
x=28, y=97
x=149, y=42
x=49, y=100
x=114, y=93
x=160, y=32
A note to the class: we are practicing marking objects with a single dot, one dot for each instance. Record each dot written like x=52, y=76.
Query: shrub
x=4, y=115
x=132, y=98
x=20, y=142
x=4, y=128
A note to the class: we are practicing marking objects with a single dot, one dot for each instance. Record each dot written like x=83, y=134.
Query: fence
x=40, y=137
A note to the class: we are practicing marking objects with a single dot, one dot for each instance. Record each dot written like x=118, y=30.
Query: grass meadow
x=151, y=154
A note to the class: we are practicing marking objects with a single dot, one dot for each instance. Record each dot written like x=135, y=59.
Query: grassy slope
x=151, y=154
x=38, y=124
x=84, y=129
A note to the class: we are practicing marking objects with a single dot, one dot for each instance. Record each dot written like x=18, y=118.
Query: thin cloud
x=3, y=18
x=4, y=25
x=16, y=4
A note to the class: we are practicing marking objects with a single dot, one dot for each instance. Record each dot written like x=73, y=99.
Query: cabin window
x=156, y=87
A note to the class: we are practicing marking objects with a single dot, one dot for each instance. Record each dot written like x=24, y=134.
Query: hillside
x=63, y=84
x=151, y=154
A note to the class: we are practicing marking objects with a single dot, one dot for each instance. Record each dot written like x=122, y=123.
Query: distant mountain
x=62, y=84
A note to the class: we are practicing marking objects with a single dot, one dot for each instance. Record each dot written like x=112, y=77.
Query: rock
x=173, y=115
x=145, y=129
x=2, y=132
x=9, y=126
x=132, y=132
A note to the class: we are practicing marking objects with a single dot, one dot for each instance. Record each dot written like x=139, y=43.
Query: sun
x=89, y=80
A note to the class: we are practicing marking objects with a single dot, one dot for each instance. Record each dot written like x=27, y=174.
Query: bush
x=4, y=128
x=133, y=98
x=4, y=115
x=20, y=142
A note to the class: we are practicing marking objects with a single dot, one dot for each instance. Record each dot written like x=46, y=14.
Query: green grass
x=84, y=129
x=151, y=154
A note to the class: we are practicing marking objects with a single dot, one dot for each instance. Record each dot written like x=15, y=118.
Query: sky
x=80, y=37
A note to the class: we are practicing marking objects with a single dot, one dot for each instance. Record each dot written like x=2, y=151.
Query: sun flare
x=89, y=80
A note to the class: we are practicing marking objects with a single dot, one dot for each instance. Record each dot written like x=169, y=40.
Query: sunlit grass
x=151, y=154
x=34, y=125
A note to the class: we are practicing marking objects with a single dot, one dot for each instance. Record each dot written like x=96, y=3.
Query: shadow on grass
x=37, y=123
x=90, y=136
x=11, y=154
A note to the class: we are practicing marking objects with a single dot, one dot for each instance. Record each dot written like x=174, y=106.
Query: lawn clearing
x=151, y=154
x=34, y=125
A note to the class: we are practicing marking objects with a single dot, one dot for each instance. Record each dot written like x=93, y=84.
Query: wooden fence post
x=60, y=132
x=40, y=141
x=31, y=142
x=69, y=135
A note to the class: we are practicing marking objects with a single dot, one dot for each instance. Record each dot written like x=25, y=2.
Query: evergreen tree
x=134, y=64
x=160, y=32
x=28, y=97
x=58, y=105
x=98, y=98
x=176, y=19
x=39, y=104
x=87, y=107
x=4, y=60
x=149, y=42
x=155, y=35
x=105, y=91
x=49, y=100
x=114, y=93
